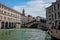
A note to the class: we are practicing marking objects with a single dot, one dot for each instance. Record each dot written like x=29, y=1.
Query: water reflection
x=26, y=34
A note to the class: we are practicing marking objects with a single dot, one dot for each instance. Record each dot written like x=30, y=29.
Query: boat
x=54, y=33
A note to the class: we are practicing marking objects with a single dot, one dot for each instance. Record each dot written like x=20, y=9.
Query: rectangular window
x=5, y=18
x=5, y=12
x=58, y=6
x=49, y=10
x=49, y=23
x=55, y=15
x=9, y=14
x=58, y=14
x=49, y=18
x=59, y=23
x=55, y=23
x=8, y=18
x=54, y=7
x=1, y=11
x=52, y=17
x=1, y=17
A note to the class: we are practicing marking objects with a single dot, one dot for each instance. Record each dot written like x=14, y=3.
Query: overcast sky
x=32, y=7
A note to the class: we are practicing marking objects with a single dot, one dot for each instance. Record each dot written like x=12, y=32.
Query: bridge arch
x=33, y=25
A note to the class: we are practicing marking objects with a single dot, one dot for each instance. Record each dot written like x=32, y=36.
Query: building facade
x=24, y=18
x=38, y=18
x=53, y=14
x=30, y=18
x=9, y=18
x=41, y=20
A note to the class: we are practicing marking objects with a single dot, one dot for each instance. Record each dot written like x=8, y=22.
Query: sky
x=31, y=7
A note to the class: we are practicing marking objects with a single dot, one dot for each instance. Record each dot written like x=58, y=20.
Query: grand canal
x=23, y=34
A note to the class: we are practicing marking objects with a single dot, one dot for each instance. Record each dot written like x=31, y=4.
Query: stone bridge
x=28, y=25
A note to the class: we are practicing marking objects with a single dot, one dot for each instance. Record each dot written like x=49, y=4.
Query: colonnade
x=8, y=25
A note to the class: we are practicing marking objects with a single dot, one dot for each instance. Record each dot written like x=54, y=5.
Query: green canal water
x=23, y=34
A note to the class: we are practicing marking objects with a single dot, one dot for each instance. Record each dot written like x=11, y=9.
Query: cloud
x=35, y=7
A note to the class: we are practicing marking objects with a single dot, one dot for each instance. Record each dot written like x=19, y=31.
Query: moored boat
x=54, y=33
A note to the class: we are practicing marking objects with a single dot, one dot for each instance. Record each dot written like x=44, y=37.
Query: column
x=11, y=24
x=8, y=24
x=14, y=25
x=4, y=24
x=0, y=24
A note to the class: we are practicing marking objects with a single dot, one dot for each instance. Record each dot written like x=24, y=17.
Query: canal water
x=23, y=34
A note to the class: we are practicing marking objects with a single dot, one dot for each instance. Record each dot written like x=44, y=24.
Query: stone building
x=41, y=20
x=24, y=18
x=30, y=18
x=9, y=18
x=53, y=14
x=38, y=18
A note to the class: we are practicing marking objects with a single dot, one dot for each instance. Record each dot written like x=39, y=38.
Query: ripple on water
x=27, y=34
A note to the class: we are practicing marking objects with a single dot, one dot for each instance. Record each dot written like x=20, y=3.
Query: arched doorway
x=6, y=25
x=9, y=24
x=2, y=25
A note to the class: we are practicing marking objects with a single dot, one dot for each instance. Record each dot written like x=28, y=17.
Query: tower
x=23, y=12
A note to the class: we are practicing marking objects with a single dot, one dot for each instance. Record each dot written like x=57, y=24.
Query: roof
x=10, y=8
x=53, y=4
